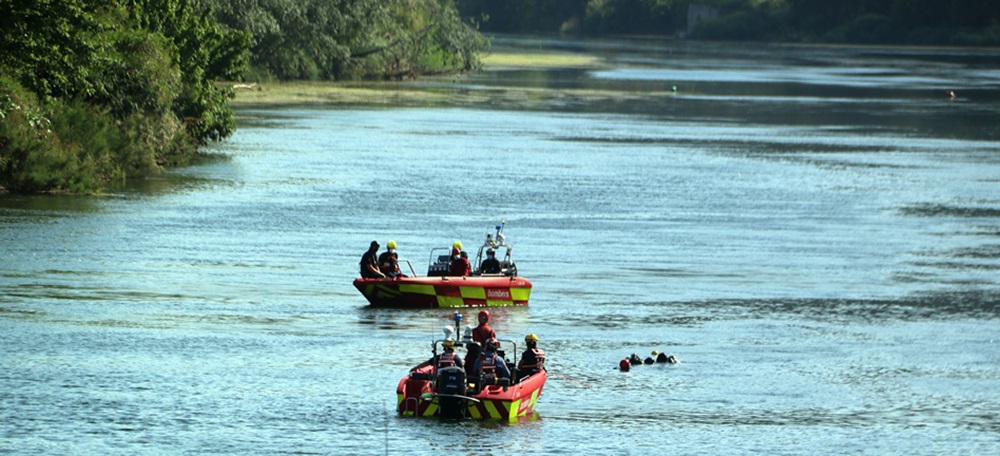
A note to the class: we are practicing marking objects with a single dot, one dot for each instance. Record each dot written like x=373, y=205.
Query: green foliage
x=39, y=151
x=203, y=53
x=47, y=45
x=93, y=91
x=890, y=21
x=137, y=75
x=527, y=16
x=350, y=39
x=867, y=29
x=657, y=17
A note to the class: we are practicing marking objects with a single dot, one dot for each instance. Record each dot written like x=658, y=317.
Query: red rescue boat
x=451, y=393
x=483, y=288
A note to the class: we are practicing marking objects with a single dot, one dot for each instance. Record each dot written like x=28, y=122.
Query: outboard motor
x=451, y=383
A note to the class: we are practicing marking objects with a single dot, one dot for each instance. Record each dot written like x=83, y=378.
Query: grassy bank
x=400, y=93
x=502, y=60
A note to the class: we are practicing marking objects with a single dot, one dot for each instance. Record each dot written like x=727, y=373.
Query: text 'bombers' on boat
x=445, y=389
x=451, y=280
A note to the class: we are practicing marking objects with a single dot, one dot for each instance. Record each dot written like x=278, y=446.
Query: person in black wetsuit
x=369, y=263
x=491, y=265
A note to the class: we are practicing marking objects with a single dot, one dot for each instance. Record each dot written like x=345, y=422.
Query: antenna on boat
x=458, y=323
x=500, y=236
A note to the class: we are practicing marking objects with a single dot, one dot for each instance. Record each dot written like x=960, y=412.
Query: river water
x=813, y=232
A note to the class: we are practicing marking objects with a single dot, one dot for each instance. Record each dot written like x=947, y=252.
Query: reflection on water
x=811, y=231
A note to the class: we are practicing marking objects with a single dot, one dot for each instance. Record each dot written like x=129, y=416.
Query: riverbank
x=405, y=92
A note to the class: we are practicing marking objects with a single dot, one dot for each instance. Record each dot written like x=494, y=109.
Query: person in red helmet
x=483, y=332
x=461, y=266
x=490, y=365
x=480, y=334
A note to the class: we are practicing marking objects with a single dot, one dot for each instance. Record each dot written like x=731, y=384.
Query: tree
x=48, y=45
x=91, y=92
x=344, y=39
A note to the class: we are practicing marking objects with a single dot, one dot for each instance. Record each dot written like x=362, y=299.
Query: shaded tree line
x=349, y=39
x=943, y=22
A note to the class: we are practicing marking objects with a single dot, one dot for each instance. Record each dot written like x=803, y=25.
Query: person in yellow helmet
x=388, y=261
x=533, y=358
x=447, y=358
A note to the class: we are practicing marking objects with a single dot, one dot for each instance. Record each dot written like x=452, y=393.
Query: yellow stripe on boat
x=399, y=402
x=474, y=411
x=473, y=292
x=432, y=408
x=450, y=301
x=514, y=408
x=534, y=398
x=492, y=409
x=417, y=289
x=384, y=291
x=520, y=294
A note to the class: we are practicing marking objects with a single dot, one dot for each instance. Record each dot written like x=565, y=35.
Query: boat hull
x=415, y=397
x=432, y=292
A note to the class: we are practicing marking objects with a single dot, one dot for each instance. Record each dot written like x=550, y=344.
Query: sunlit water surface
x=814, y=233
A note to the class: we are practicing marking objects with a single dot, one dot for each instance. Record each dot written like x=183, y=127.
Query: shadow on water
x=940, y=210
x=955, y=305
x=41, y=207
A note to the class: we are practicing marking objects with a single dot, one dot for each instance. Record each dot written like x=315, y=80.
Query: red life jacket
x=446, y=359
x=388, y=263
x=488, y=364
x=539, y=363
x=539, y=358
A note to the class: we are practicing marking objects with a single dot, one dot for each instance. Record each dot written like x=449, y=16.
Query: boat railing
x=406, y=406
x=438, y=263
x=507, y=267
x=413, y=273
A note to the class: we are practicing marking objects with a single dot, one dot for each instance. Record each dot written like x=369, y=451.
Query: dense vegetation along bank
x=94, y=92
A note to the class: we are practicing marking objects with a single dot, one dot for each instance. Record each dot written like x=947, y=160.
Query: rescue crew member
x=490, y=364
x=388, y=261
x=446, y=359
x=461, y=266
x=369, y=263
x=491, y=265
x=456, y=251
x=480, y=334
x=533, y=358
x=483, y=332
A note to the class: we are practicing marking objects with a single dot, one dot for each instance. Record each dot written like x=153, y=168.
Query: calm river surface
x=813, y=232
